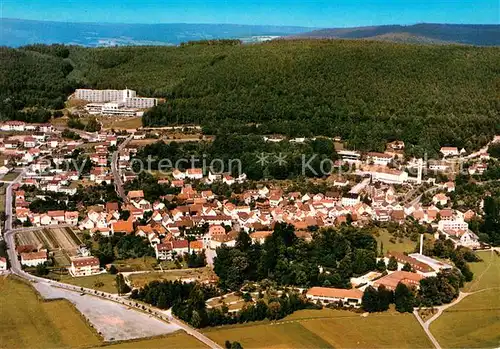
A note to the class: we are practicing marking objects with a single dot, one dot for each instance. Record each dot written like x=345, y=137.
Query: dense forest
x=289, y=260
x=259, y=159
x=366, y=92
x=33, y=78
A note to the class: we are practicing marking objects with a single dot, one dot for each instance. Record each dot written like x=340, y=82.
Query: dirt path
x=476, y=281
x=425, y=325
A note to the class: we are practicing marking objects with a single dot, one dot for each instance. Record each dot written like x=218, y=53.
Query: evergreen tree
x=370, y=301
x=381, y=267
x=393, y=264
x=407, y=267
x=404, y=299
x=243, y=241
x=162, y=302
x=386, y=297
x=236, y=345
x=121, y=285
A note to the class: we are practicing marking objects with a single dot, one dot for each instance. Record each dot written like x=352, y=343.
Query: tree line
x=312, y=158
x=289, y=260
x=366, y=92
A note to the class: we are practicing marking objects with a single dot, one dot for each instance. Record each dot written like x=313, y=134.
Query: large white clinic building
x=128, y=97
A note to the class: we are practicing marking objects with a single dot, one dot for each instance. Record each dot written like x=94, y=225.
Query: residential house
x=350, y=199
x=379, y=158
x=440, y=199
x=84, y=266
x=121, y=226
x=194, y=173
x=135, y=194
x=449, y=151
x=32, y=259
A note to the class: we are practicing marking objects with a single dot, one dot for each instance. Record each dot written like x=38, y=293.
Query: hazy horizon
x=312, y=14
x=239, y=24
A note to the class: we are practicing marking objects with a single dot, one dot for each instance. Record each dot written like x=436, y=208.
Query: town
x=72, y=193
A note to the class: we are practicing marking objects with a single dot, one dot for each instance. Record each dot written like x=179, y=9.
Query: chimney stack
x=421, y=243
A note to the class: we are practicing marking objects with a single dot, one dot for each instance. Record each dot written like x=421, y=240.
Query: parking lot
x=114, y=321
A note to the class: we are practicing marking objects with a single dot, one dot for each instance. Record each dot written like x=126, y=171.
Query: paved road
x=426, y=330
x=360, y=186
x=15, y=268
x=81, y=133
x=8, y=201
x=116, y=171
x=41, y=282
x=417, y=199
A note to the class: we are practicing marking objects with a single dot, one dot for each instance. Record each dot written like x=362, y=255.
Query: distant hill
x=19, y=32
x=367, y=92
x=469, y=34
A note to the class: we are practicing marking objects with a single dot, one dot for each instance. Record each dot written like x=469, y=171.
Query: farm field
x=279, y=335
x=328, y=328
x=28, y=322
x=486, y=273
x=475, y=321
x=62, y=241
x=472, y=323
x=175, y=340
x=200, y=274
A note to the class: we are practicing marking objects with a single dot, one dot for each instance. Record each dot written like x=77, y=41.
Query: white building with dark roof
x=84, y=266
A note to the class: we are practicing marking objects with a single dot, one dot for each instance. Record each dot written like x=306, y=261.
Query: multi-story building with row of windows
x=126, y=98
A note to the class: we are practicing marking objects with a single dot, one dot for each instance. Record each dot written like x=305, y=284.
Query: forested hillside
x=470, y=34
x=366, y=92
x=33, y=79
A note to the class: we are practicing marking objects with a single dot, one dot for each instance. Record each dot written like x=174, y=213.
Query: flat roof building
x=326, y=295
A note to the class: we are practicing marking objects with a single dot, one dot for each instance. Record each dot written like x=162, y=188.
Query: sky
x=310, y=13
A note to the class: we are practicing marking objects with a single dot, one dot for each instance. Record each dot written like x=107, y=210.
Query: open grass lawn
x=135, y=264
x=10, y=176
x=175, y=340
x=475, y=321
x=472, y=323
x=486, y=273
x=200, y=274
x=91, y=281
x=384, y=330
x=120, y=123
x=63, y=121
x=401, y=245
x=28, y=322
x=2, y=202
x=268, y=335
x=328, y=328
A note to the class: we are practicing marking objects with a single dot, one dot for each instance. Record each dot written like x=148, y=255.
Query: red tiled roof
x=180, y=244
x=85, y=261
x=335, y=292
x=27, y=256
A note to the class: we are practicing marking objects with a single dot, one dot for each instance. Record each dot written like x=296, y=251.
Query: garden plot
x=63, y=242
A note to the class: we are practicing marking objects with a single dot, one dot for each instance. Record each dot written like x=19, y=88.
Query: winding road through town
x=116, y=171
